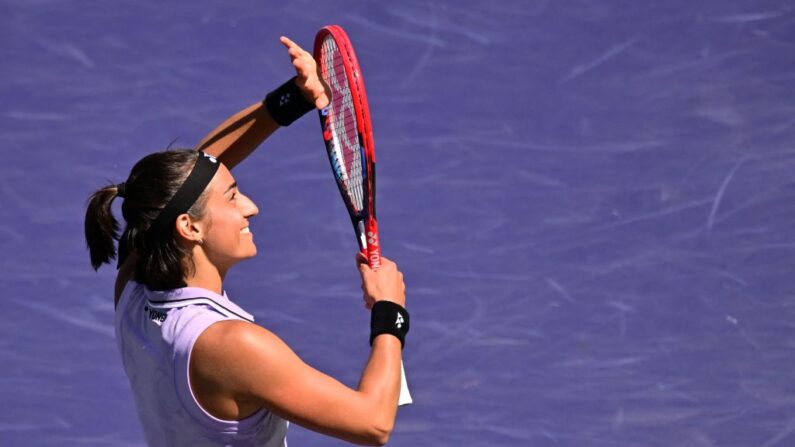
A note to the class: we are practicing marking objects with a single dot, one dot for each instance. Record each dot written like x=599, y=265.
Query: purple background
x=592, y=203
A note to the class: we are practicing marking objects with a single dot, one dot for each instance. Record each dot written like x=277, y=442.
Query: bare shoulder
x=229, y=340
x=237, y=355
x=228, y=331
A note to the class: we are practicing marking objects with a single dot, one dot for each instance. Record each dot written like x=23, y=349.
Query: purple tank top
x=155, y=333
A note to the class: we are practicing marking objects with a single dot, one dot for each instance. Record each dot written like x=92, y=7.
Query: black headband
x=187, y=194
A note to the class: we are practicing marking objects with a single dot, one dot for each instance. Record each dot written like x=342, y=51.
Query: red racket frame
x=353, y=72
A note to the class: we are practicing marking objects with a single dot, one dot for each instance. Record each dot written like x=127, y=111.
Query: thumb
x=361, y=262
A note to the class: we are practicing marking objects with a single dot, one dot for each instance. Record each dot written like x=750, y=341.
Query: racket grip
x=405, y=395
x=373, y=248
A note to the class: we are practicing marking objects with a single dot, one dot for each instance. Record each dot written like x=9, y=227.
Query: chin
x=240, y=257
x=250, y=253
x=245, y=256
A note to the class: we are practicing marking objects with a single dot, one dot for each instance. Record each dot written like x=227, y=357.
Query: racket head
x=348, y=135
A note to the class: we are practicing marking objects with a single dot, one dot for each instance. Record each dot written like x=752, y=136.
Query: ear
x=189, y=229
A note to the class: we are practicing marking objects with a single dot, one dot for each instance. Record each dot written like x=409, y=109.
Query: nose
x=249, y=208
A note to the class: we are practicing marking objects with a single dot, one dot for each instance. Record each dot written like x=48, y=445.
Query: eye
x=233, y=197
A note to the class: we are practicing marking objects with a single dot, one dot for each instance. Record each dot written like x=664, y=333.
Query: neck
x=205, y=274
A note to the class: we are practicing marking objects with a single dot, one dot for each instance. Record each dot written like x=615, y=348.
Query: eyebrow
x=231, y=187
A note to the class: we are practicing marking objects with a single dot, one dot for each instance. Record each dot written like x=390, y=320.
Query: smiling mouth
x=245, y=231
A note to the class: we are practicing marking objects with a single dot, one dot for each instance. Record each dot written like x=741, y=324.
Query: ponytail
x=101, y=227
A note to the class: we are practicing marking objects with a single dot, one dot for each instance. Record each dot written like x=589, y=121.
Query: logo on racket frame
x=372, y=238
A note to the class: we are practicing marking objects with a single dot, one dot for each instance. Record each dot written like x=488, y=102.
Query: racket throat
x=362, y=235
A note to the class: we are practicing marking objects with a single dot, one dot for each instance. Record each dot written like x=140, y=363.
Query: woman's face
x=228, y=238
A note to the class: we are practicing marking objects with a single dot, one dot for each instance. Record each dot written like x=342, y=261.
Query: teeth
x=245, y=230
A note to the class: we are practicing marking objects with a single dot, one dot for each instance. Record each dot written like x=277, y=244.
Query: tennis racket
x=348, y=135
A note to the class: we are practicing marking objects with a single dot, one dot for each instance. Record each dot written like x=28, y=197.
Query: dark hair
x=162, y=262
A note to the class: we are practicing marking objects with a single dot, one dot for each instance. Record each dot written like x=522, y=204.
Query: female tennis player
x=202, y=373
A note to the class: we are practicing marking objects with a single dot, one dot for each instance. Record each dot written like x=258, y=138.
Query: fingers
x=309, y=80
x=304, y=64
x=386, y=283
x=361, y=262
x=288, y=43
x=365, y=271
x=293, y=49
x=388, y=264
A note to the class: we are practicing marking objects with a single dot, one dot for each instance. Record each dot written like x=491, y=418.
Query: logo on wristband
x=399, y=322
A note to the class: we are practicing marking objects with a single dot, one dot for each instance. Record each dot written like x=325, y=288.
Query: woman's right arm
x=253, y=364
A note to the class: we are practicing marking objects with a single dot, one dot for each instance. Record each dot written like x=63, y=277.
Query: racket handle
x=373, y=246
x=405, y=395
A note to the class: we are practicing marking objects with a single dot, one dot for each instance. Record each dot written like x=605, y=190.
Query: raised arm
x=237, y=137
x=240, y=134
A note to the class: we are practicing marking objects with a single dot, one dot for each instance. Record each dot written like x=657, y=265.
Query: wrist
x=389, y=318
x=287, y=103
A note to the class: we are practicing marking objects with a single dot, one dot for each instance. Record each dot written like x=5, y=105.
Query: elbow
x=375, y=422
x=379, y=435
x=382, y=437
x=378, y=440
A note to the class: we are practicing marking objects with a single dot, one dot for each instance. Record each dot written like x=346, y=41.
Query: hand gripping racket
x=348, y=135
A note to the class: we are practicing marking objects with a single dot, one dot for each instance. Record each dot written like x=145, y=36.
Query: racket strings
x=346, y=151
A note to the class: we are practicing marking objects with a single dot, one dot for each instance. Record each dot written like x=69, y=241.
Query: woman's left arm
x=240, y=134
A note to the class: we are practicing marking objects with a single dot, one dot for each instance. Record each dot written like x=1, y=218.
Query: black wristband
x=286, y=104
x=389, y=318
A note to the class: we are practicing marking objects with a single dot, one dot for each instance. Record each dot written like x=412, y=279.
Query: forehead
x=221, y=180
